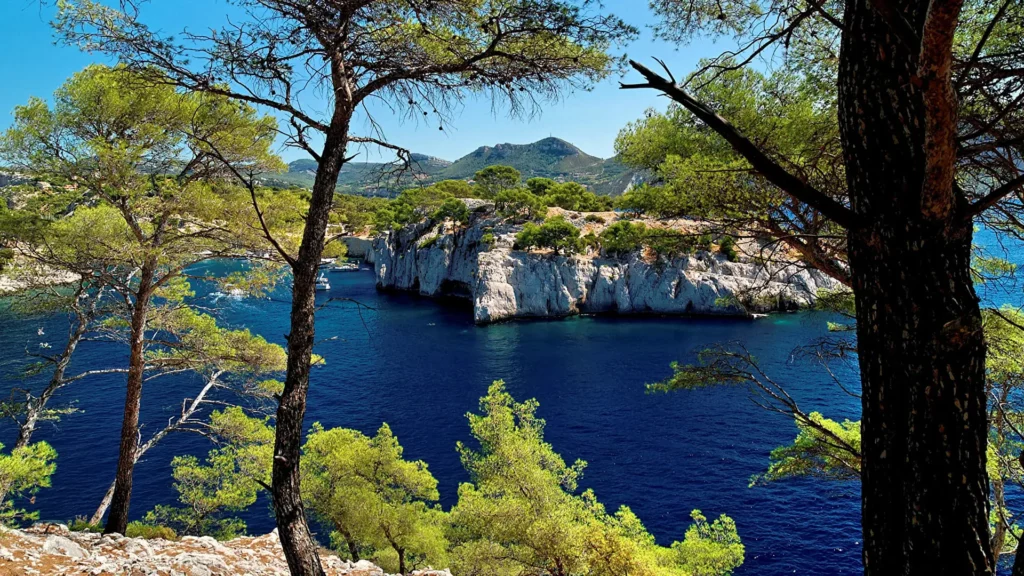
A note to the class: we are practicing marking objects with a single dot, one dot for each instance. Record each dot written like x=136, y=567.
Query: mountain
x=550, y=158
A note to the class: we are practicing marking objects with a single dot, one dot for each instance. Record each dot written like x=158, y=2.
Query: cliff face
x=503, y=283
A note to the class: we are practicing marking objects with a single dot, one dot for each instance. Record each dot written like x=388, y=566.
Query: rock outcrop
x=46, y=549
x=504, y=283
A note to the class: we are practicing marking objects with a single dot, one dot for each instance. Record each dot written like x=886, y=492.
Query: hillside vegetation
x=549, y=158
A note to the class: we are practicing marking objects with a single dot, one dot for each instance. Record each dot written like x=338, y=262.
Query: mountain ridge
x=549, y=157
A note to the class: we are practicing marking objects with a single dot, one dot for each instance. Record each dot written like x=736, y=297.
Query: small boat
x=345, y=267
x=322, y=283
x=326, y=261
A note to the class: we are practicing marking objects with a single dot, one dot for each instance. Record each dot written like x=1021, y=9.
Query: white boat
x=322, y=283
x=345, y=267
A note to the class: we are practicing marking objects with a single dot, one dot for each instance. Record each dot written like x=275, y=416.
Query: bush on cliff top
x=555, y=233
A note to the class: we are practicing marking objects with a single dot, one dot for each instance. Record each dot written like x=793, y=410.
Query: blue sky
x=31, y=64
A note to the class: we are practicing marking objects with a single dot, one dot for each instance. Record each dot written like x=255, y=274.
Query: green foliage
x=519, y=205
x=195, y=341
x=452, y=209
x=378, y=504
x=656, y=201
x=521, y=514
x=428, y=242
x=555, y=233
x=335, y=249
x=594, y=218
x=457, y=188
x=823, y=448
x=727, y=248
x=227, y=482
x=574, y=196
x=23, y=472
x=540, y=186
x=147, y=531
x=790, y=112
x=411, y=206
x=623, y=237
x=488, y=239
x=81, y=524
x=710, y=548
x=495, y=179
x=6, y=257
x=355, y=212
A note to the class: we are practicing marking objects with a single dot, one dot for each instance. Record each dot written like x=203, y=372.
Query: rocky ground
x=53, y=549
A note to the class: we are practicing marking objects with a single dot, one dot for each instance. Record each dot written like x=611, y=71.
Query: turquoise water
x=420, y=365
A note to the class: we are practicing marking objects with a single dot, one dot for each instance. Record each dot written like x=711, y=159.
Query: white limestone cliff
x=503, y=283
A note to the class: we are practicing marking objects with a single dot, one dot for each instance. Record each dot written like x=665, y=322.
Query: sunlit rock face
x=437, y=260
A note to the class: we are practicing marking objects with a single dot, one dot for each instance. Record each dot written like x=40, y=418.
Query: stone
x=63, y=546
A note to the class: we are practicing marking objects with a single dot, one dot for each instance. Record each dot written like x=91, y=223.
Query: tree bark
x=177, y=424
x=299, y=546
x=353, y=547
x=919, y=334
x=117, y=522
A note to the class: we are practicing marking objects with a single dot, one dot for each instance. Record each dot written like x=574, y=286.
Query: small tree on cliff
x=419, y=56
x=555, y=233
x=890, y=131
x=494, y=180
x=142, y=157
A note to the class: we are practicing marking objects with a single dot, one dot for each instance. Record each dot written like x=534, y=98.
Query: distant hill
x=550, y=158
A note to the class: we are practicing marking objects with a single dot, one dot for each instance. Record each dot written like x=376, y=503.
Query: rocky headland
x=478, y=262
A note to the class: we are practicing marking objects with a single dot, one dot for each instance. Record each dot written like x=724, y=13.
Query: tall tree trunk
x=1018, y=562
x=299, y=546
x=176, y=424
x=919, y=335
x=117, y=522
x=353, y=547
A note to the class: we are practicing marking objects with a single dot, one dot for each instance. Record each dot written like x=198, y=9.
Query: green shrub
x=23, y=472
x=452, y=209
x=574, y=196
x=6, y=256
x=150, y=531
x=457, y=188
x=666, y=242
x=727, y=248
x=81, y=524
x=520, y=205
x=335, y=249
x=488, y=239
x=594, y=218
x=704, y=242
x=622, y=237
x=556, y=233
x=495, y=179
x=428, y=242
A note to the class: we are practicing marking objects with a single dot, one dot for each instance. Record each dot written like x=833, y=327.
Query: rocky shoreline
x=438, y=261
x=46, y=549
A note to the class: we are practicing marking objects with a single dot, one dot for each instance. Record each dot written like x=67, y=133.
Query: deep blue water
x=420, y=365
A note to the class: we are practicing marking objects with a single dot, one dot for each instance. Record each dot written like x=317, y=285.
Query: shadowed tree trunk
x=117, y=522
x=296, y=539
x=919, y=333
